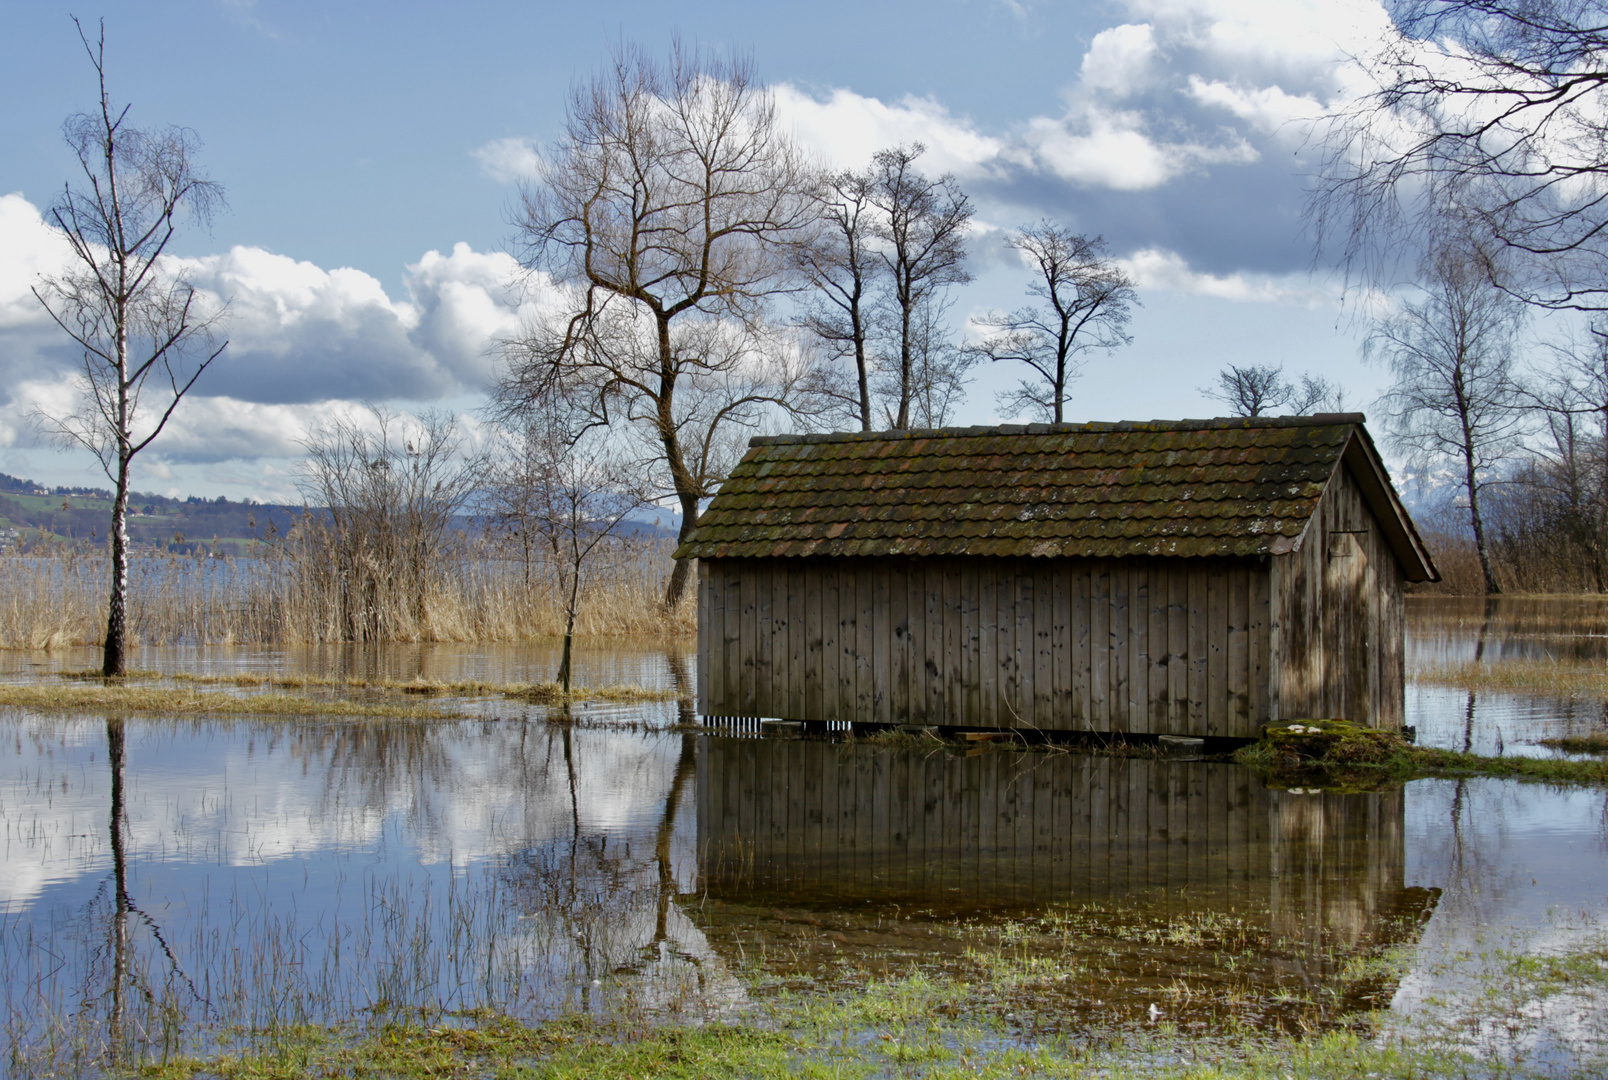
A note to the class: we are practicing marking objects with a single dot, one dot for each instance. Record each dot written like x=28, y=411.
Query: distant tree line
x=1472, y=170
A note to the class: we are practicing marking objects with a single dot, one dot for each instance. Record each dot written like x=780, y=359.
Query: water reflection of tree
x=611, y=907
x=681, y=676
x=126, y=975
x=1479, y=656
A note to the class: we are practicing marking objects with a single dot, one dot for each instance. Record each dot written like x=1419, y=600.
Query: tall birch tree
x=144, y=338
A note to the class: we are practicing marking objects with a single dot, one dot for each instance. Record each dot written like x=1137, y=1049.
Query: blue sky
x=370, y=153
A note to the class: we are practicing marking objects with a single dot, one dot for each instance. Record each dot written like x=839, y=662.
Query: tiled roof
x=1193, y=487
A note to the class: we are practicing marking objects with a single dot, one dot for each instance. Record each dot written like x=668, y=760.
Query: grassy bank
x=181, y=702
x=882, y=1035
x=999, y=1023
x=212, y=694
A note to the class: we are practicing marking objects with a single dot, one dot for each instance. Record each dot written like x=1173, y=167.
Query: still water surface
x=162, y=878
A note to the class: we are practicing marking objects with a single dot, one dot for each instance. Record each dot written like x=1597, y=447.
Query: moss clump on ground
x=1337, y=754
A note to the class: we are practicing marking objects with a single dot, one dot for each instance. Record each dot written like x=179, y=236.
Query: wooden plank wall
x=1338, y=615
x=1175, y=646
x=822, y=822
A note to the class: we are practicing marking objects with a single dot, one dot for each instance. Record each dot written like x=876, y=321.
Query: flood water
x=167, y=878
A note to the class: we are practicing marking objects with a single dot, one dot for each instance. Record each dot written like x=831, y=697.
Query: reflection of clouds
x=522, y=867
x=1523, y=873
x=243, y=794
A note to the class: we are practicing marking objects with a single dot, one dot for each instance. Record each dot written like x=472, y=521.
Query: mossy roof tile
x=1221, y=487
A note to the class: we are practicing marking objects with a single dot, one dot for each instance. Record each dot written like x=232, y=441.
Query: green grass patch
x=793, y=1045
x=1338, y=755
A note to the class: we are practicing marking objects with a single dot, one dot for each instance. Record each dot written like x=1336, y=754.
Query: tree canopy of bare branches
x=670, y=211
x=1567, y=476
x=939, y=369
x=391, y=487
x=144, y=340
x=923, y=230
x=572, y=490
x=1486, y=113
x=1454, y=400
x=842, y=270
x=1259, y=389
x=1087, y=300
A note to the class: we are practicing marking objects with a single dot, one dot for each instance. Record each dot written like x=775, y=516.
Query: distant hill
x=31, y=512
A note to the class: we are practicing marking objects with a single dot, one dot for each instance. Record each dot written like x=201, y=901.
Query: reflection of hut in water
x=847, y=824
x=1196, y=577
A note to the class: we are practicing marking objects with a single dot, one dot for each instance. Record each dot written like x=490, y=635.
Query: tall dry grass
x=472, y=591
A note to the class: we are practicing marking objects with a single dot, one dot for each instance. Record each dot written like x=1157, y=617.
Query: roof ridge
x=1214, y=424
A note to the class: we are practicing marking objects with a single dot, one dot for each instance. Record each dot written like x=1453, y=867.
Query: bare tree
x=1487, y=110
x=672, y=208
x=390, y=488
x=136, y=320
x=581, y=490
x=515, y=465
x=1571, y=470
x=1454, y=400
x=1251, y=390
x=1260, y=389
x=1087, y=301
x=939, y=370
x=923, y=228
x=1316, y=394
x=843, y=268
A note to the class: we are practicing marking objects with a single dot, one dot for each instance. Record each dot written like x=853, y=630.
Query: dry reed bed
x=1550, y=678
x=474, y=593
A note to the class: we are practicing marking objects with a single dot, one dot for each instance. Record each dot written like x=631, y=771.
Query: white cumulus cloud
x=1119, y=59
x=846, y=128
x=303, y=339
x=1153, y=268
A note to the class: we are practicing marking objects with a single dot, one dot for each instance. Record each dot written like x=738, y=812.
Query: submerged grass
x=891, y=1029
x=1594, y=743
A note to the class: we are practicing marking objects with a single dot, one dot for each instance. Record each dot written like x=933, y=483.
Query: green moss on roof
x=1194, y=487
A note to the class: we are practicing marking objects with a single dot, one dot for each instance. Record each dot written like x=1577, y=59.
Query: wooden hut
x=1198, y=577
